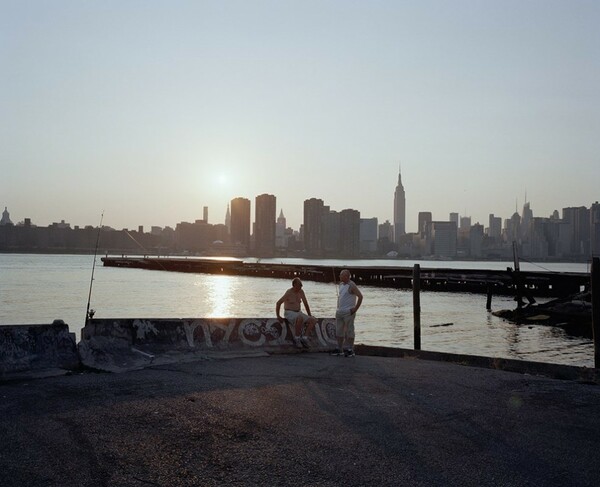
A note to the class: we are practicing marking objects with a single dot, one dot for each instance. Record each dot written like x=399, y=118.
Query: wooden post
x=517, y=277
x=488, y=304
x=417, y=305
x=595, y=278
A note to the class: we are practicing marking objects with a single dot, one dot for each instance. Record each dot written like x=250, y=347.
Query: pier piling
x=595, y=284
x=417, y=305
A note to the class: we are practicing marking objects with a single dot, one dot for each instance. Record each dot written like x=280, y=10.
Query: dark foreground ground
x=303, y=419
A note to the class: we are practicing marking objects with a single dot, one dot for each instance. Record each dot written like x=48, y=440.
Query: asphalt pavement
x=300, y=419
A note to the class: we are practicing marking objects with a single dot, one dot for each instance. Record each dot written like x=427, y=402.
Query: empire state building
x=399, y=210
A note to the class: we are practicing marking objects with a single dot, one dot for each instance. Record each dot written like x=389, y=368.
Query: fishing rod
x=89, y=314
x=337, y=293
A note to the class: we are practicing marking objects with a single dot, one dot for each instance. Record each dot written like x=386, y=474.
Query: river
x=39, y=288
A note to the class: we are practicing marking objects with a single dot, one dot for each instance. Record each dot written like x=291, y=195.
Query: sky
x=147, y=111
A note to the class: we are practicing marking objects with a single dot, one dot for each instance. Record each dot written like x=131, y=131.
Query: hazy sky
x=151, y=110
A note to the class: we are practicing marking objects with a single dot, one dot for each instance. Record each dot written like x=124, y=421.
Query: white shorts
x=344, y=324
x=291, y=316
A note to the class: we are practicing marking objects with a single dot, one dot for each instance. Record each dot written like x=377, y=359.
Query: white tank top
x=346, y=299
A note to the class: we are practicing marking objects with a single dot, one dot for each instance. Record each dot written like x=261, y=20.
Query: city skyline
x=150, y=112
x=330, y=233
x=249, y=212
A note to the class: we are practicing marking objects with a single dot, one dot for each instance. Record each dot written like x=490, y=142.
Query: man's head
x=345, y=276
x=296, y=283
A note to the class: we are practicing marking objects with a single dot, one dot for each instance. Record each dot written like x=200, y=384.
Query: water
x=38, y=288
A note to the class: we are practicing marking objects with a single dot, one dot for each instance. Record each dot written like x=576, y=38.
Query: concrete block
x=36, y=347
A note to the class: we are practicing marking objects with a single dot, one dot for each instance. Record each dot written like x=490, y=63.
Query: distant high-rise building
x=475, y=240
x=330, y=225
x=453, y=218
x=537, y=245
x=264, y=229
x=579, y=218
x=512, y=228
x=399, y=210
x=386, y=231
x=281, y=219
x=280, y=227
x=495, y=227
x=228, y=220
x=313, y=228
x=444, y=236
x=5, y=218
x=425, y=219
x=368, y=235
x=349, y=234
x=240, y=221
x=463, y=245
x=205, y=214
x=595, y=229
x=526, y=219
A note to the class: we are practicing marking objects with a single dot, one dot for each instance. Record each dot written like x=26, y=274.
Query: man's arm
x=278, y=307
x=354, y=290
x=305, y=301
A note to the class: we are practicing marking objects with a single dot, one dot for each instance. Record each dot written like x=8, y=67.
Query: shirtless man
x=292, y=301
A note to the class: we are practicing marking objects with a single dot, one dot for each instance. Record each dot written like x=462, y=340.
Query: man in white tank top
x=349, y=300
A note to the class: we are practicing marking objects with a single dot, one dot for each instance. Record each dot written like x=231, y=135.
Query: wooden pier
x=539, y=284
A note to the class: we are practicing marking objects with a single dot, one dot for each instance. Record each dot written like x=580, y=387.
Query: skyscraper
x=386, y=231
x=526, y=218
x=280, y=226
x=349, y=234
x=368, y=235
x=313, y=232
x=495, y=228
x=240, y=221
x=595, y=229
x=580, y=219
x=264, y=229
x=5, y=217
x=228, y=220
x=399, y=210
x=444, y=238
x=330, y=225
x=425, y=219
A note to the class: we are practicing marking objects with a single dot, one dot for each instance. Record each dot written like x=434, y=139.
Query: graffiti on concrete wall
x=212, y=332
x=16, y=344
x=143, y=327
x=252, y=332
x=36, y=346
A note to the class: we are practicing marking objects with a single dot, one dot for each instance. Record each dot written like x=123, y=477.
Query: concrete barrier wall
x=118, y=345
x=36, y=347
x=114, y=344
